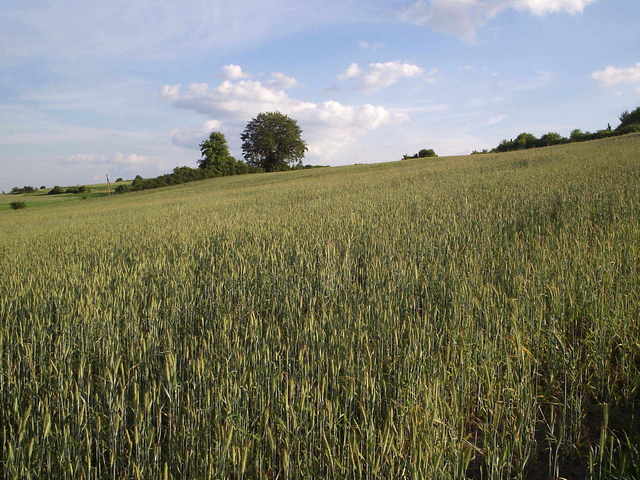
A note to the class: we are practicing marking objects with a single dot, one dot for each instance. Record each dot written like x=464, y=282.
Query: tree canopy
x=629, y=118
x=273, y=141
x=214, y=150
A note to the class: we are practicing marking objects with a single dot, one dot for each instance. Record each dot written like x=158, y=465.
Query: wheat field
x=464, y=317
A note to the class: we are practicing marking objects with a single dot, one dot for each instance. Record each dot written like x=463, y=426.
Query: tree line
x=271, y=142
x=629, y=123
x=424, y=153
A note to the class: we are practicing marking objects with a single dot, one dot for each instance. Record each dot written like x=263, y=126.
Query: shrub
x=118, y=180
x=633, y=128
x=18, y=205
x=122, y=189
x=25, y=189
x=79, y=189
x=57, y=190
x=424, y=153
x=629, y=118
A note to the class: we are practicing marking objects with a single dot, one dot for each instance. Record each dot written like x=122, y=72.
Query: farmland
x=447, y=318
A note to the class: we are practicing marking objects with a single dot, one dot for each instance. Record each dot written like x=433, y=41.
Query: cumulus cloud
x=370, y=45
x=612, y=76
x=282, y=81
x=233, y=72
x=192, y=137
x=352, y=71
x=328, y=126
x=464, y=17
x=383, y=75
x=495, y=119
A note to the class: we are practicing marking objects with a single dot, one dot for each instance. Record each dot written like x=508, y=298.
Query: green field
x=40, y=198
x=461, y=317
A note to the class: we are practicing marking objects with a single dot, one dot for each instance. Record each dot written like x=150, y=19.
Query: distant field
x=40, y=198
x=463, y=317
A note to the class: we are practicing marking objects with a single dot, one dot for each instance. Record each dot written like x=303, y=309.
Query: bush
x=25, y=189
x=629, y=118
x=122, y=189
x=425, y=153
x=633, y=128
x=18, y=205
x=80, y=189
x=57, y=190
x=118, y=180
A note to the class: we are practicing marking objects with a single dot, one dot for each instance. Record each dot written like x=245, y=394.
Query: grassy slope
x=440, y=318
x=40, y=198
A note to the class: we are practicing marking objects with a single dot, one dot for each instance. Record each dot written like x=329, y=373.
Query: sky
x=123, y=88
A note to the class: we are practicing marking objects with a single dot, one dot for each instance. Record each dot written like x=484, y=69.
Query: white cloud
x=540, y=7
x=611, y=76
x=464, y=17
x=352, y=71
x=280, y=80
x=233, y=72
x=383, y=75
x=192, y=137
x=494, y=120
x=370, y=45
x=328, y=126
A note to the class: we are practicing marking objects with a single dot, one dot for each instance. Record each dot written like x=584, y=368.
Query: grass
x=466, y=317
x=39, y=198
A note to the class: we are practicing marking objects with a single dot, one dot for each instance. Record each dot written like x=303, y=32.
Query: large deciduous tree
x=273, y=141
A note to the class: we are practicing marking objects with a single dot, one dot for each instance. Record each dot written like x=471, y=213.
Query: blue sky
x=89, y=88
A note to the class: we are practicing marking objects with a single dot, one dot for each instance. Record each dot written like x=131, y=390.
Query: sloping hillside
x=461, y=317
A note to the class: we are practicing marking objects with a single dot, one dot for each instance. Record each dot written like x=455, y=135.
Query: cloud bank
x=464, y=17
x=328, y=126
x=612, y=76
x=382, y=75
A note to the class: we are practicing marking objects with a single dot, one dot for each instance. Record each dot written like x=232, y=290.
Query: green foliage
x=527, y=140
x=629, y=118
x=19, y=190
x=215, y=152
x=273, y=141
x=551, y=138
x=78, y=189
x=577, y=135
x=424, y=153
x=18, y=205
x=119, y=179
x=180, y=175
x=57, y=190
x=629, y=128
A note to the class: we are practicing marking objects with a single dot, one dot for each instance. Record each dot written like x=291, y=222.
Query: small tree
x=526, y=140
x=424, y=153
x=577, y=135
x=57, y=190
x=273, y=141
x=551, y=138
x=214, y=151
